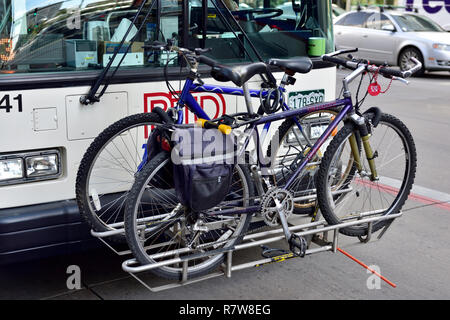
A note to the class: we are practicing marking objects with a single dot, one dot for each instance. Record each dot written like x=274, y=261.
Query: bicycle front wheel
x=344, y=192
x=158, y=228
x=106, y=172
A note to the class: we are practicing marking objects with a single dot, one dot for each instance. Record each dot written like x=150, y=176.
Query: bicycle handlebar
x=194, y=56
x=353, y=65
x=197, y=53
x=208, y=61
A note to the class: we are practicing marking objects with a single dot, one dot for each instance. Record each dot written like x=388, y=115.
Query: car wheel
x=405, y=63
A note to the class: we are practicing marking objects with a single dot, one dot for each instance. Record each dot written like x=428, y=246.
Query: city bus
x=52, y=52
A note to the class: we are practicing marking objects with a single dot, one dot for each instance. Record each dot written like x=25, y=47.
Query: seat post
x=248, y=99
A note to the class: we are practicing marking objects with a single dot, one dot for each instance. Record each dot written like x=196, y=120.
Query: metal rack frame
x=313, y=229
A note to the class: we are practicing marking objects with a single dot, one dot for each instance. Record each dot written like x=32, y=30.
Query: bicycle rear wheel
x=343, y=194
x=107, y=169
x=158, y=228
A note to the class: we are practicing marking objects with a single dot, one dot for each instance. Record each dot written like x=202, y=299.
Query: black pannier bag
x=203, y=165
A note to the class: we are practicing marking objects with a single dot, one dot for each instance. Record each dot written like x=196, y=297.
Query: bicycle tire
x=139, y=246
x=359, y=184
x=90, y=161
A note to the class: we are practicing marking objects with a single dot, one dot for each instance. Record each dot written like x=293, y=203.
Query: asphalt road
x=414, y=254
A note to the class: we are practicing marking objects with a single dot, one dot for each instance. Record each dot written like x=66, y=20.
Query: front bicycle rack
x=318, y=231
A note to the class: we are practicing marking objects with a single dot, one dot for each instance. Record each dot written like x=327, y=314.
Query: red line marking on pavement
x=426, y=200
x=367, y=267
x=412, y=196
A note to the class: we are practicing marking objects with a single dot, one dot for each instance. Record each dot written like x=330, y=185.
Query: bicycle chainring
x=269, y=210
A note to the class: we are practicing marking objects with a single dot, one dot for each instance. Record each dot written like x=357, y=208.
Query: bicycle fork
x=360, y=123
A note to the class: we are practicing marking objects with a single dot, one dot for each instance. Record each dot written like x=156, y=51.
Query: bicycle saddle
x=240, y=74
x=297, y=64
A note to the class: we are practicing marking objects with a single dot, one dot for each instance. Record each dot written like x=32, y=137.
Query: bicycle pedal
x=298, y=245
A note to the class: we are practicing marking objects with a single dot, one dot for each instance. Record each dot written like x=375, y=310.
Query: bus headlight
x=11, y=169
x=46, y=165
x=30, y=166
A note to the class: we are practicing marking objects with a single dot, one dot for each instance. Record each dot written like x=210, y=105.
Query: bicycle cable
x=360, y=102
x=172, y=90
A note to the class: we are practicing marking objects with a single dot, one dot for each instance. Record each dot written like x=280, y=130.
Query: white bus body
x=40, y=113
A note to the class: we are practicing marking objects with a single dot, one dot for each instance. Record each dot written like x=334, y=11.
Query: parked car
x=393, y=37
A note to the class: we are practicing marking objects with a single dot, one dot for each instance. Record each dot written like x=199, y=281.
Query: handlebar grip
x=213, y=125
x=391, y=72
x=335, y=60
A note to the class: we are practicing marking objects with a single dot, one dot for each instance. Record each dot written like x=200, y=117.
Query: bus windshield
x=79, y=35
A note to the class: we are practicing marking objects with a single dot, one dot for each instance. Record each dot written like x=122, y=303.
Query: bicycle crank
x=276, y=207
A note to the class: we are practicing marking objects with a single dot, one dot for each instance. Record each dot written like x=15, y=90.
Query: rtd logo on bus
x=213, y=103
x=434, y=7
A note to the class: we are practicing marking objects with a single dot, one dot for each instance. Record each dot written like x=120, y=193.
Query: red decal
x=213, y=103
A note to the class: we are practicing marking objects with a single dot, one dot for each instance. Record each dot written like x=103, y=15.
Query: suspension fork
x=361, y=126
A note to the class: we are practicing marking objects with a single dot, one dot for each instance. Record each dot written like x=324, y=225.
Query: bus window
x=55, y=35
x=276, y=28
x=78, y=35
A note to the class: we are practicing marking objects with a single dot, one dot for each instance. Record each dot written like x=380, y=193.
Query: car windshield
x=415, y=23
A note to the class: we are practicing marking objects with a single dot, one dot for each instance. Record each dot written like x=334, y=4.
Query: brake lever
x=400, y=79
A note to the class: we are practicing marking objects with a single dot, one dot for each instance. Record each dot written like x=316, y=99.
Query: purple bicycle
x=368, y=167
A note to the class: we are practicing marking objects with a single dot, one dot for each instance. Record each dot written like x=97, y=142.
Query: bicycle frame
x=186, y=99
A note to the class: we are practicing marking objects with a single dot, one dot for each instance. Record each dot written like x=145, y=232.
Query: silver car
x=394, y=37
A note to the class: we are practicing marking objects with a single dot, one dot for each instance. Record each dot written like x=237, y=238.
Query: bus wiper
x=271, y=78
x=92, y=96
x=215, y=3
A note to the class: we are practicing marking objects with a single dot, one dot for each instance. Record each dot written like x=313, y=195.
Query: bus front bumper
x=44, y=230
